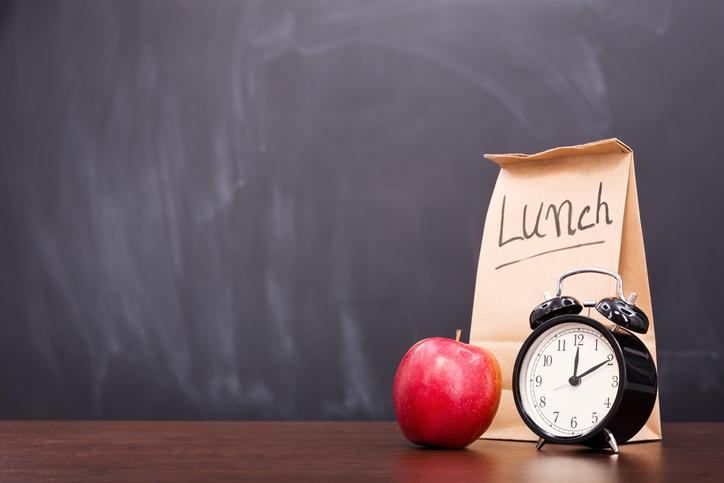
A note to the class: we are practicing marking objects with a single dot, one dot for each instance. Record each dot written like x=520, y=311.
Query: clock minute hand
x=593, y=368
x=574, y=380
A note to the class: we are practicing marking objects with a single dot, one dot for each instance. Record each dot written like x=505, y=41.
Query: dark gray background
x=248, y=210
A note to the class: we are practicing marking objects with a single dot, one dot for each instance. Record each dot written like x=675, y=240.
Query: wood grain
x=325, y=451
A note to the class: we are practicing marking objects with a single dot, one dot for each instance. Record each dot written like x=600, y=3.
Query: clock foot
x=539, y=445
x=611, y=441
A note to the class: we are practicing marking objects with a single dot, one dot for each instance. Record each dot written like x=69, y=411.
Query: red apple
x=446, y=393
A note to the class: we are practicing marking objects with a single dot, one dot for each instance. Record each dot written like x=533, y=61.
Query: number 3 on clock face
x=568, y=380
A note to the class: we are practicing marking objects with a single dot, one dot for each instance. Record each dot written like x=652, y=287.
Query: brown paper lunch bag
x=554, y=211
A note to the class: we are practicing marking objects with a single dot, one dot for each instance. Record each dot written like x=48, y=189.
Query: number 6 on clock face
x=568, y=379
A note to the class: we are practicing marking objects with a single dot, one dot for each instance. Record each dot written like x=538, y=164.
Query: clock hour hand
x=594, y=368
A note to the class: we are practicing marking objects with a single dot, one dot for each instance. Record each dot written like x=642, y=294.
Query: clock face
x=564, y=398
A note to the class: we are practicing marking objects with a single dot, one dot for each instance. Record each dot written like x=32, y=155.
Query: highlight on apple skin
x=446, y=393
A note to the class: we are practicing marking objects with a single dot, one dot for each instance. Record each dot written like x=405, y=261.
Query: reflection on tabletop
x=516, y=461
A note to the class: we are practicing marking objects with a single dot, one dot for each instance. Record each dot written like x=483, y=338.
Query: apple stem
x=458, y=333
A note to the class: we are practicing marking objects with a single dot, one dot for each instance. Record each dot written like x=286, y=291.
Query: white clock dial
x=563, y=403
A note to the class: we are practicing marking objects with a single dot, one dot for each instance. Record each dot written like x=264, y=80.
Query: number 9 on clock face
x=568, y=380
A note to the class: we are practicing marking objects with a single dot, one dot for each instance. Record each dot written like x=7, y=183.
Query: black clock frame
x=637, y=389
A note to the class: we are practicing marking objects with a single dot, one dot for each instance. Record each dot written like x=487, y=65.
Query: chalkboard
x=250, y=210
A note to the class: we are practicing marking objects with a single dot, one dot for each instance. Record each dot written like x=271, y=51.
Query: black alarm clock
x=579, y=381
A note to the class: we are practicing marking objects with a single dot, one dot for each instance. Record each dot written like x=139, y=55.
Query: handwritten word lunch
x=564, y=218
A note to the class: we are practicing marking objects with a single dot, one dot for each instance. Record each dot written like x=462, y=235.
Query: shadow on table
x=424, y=464
x=511, y=461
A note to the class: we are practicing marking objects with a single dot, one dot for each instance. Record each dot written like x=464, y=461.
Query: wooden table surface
x=331, y=451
